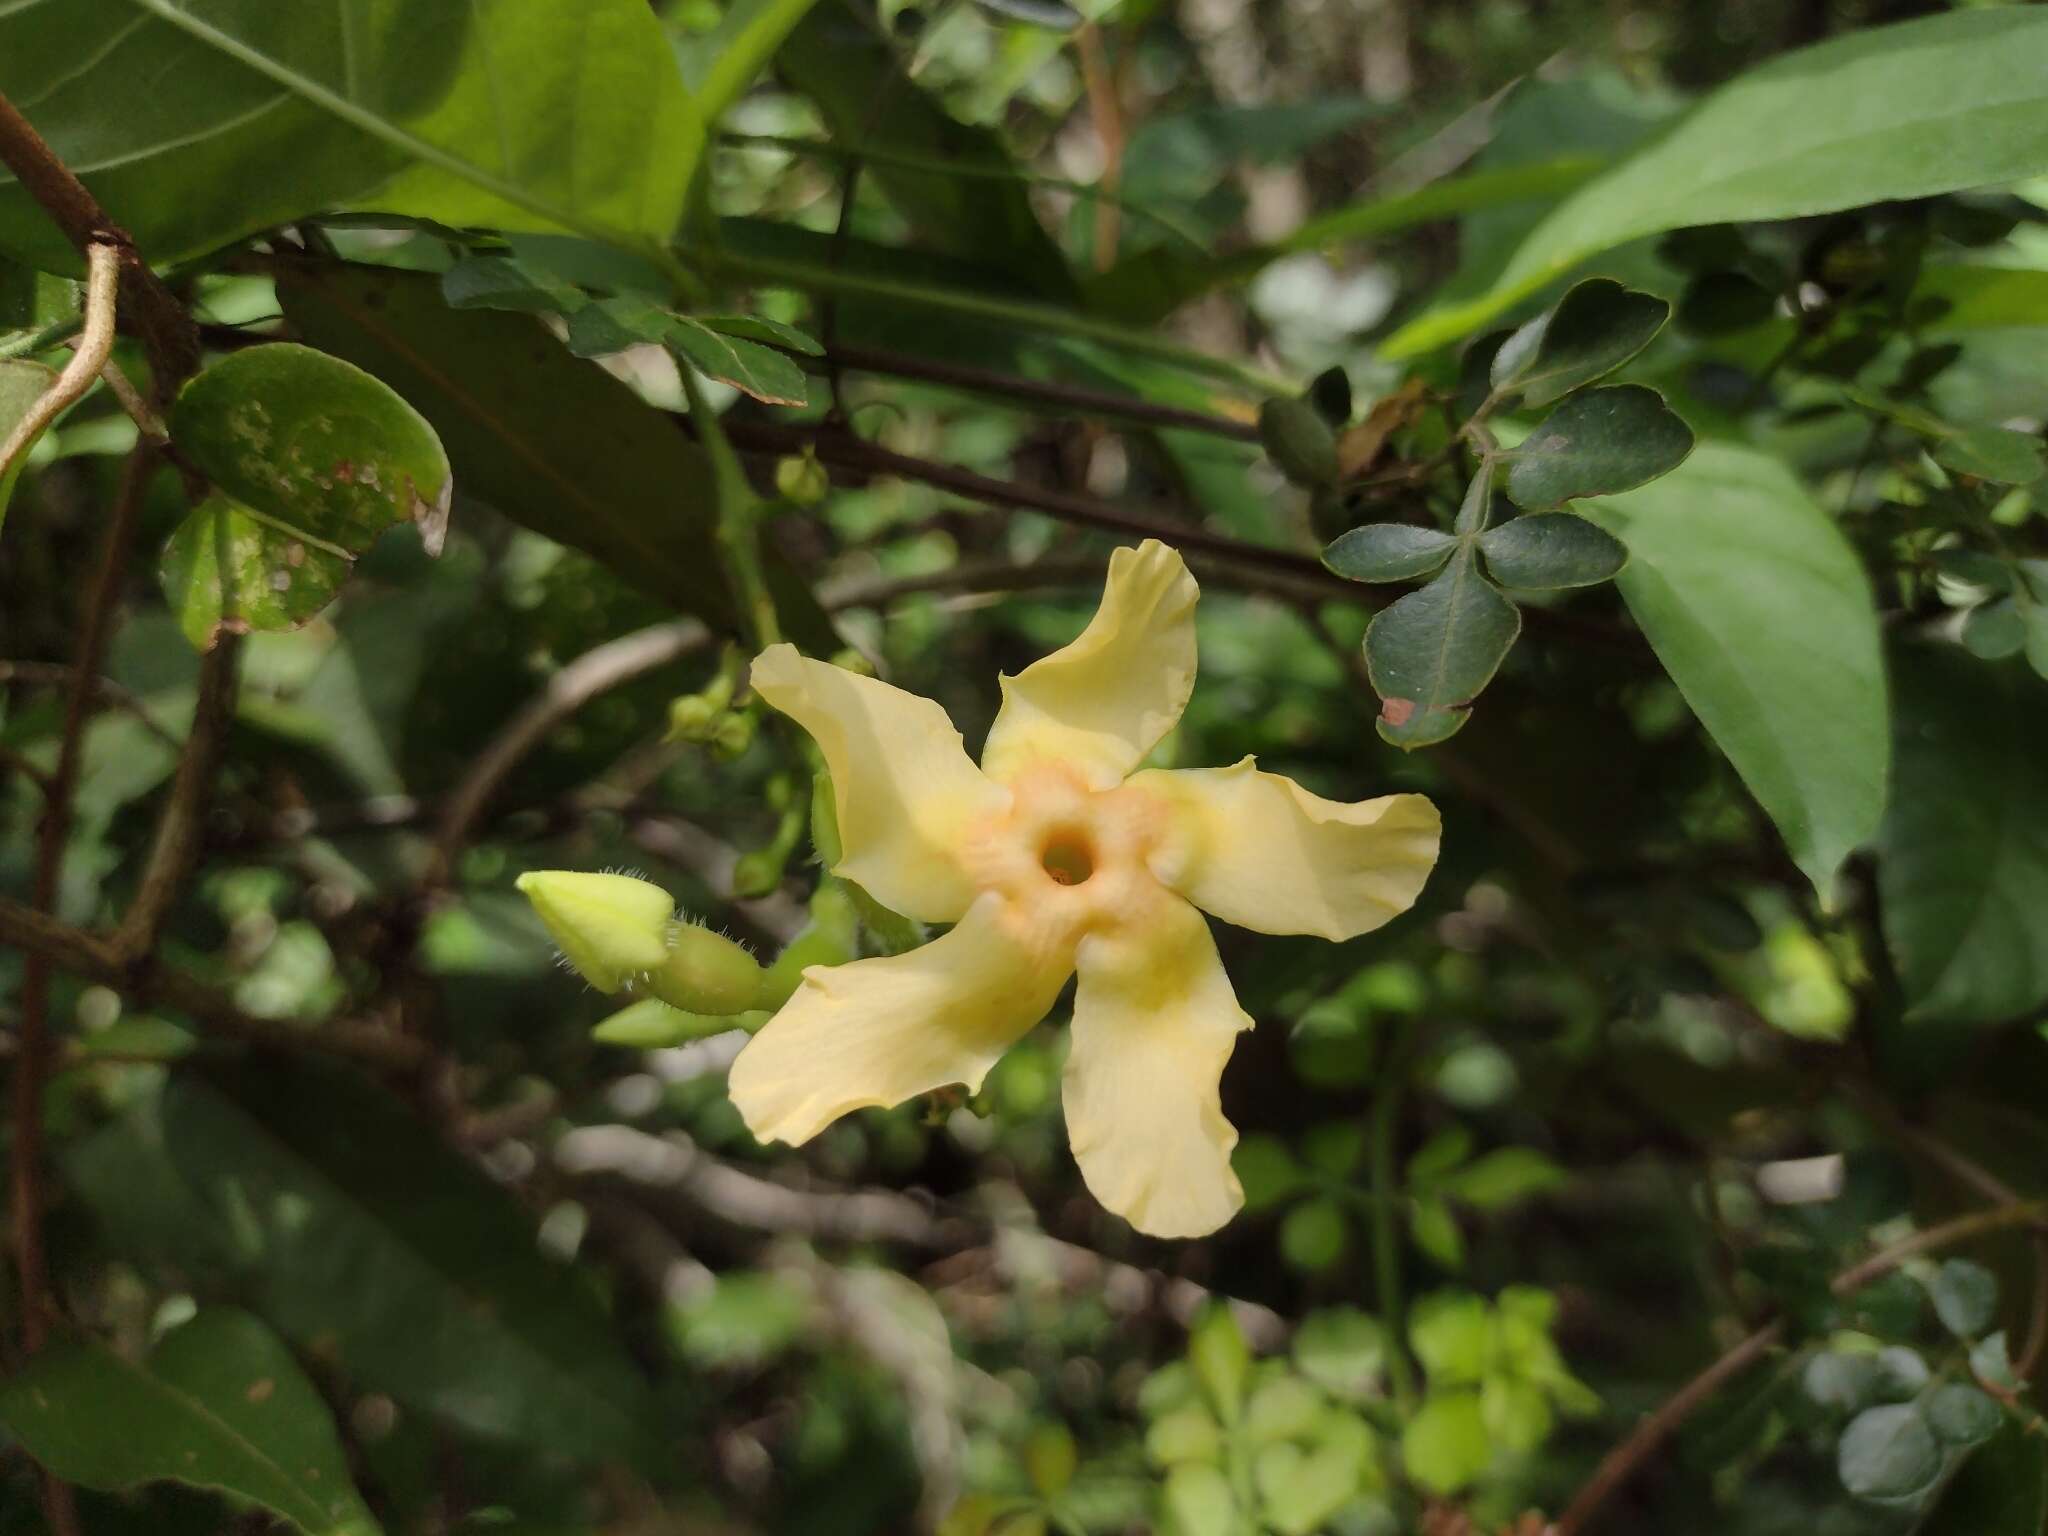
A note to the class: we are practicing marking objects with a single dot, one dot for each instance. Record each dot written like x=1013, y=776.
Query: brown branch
x=94, y=346
x=158, y=318
x=178, y=824
x=1067, y=399
x=1621, y=1463
x=92, y=958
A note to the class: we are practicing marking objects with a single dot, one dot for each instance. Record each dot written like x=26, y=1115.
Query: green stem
x=1024, y=314
x=1386, y=1209
x=738, y=535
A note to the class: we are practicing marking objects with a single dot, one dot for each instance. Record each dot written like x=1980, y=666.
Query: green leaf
x=553, y=443
x=1452, y=1335
x=1388, y=552
x=237, y=115
x=1551, y=549
x=1221, y=1359
x=1298, y=441
x=1342, y=1350
x=1762, y=614
x=313, y=459
x=1314, y=1235
x=1266, y=1169
x=1517, y=1415
x=1597, y=444
x=1595, y=328
x=1300, y=1489
x=221, y=1404
x=361, y=1234
x=1962, y=1415
x=1995, y=630
x=1440, y=1154
x=1440, y=646
x=2002, y=1490
x=838, y=57
x=22, y=383
x=1882, y=114
x=1991, y=1362
x=747, y=366
x=1336, y=1147
x=1963, y=857
x=1965, y=1297
x=1888, y=1453
x=1446, y=1446
x=1436, y=1232
x=1197, y=1501
x=760, y=328
x=504, y=282
x=1502, y=1177
x=1997, y=454
x=1841, y=1379
x=1402, y=725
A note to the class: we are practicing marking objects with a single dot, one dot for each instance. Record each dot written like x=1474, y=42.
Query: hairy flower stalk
x=1056, y=857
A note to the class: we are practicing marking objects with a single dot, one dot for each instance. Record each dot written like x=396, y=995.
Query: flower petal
x=1154, y=1022
x=1103, y=702
x=902, y=781
x=885, y=1030
x=1258, y=850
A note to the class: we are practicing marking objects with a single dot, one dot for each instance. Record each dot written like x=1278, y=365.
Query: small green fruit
x=705, y=972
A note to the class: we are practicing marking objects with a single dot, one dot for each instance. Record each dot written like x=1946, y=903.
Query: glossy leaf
x=1389, y=552
x=1997, y=454
x=1597, y=444
x=240, y=114
x=361, y=1234
x=1762, y=614
x=1440, y=646
x=220, y=1404
x=1962, y=1415
x=313, y=459
x=1595, y=328
x=1965, y=1297
x=1888, y=1453
x=1551, y=549
x=22, y=383
x=1963, y=860
x=1888, y=113
x=747, y=366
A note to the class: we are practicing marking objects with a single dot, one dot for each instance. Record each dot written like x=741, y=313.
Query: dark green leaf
x=2002, y=1490
x=1901, y=1373
x=1965, y=1297
x=1597, y=444
x=1594, y=329
x=759, y=328
x=1551, y=549
x=1888, y=1453
x=1722, y=303
x=1298, y=440
x=1402, y=725
x=1436, y=1231
x=1840, y=1379
x=1762, y=614
x=1995, y=630
x=1502, y=1177
x=1961, y=1415
x=502, y=282
x=239, y=115
x=1388, y=552
x=1963, y=857
x=1993, y=453
x=221, y=1404
x=747, y=366
x=1945, y=102
x=1330, y=393
x=558, y=445
x=1991, y=1362
x=226, y=569
x=1266, y=1169
x=1440, y=646
x=361, y=1234
x=1446, y=1150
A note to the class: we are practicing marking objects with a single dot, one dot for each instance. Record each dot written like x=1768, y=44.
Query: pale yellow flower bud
x=611, y=928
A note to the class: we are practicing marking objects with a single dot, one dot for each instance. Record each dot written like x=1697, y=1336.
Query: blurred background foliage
x=1623, y=1093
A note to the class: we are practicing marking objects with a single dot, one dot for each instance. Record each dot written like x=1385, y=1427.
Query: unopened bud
x=693, y=717
x=705, y=972
x=802, y=480
x=611, y=928
x=733, y=734
x=652, y=1025
x=1299, y=441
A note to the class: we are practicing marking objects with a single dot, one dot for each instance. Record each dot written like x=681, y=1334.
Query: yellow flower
x=1053, y=858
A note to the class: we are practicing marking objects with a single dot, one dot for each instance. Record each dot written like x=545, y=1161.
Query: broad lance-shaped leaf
x=1885, y=114
x=1594, y=329
x=233, y=116
x=220, y=1404
x=1963, y=857
x=1551, y=549
x=1595, y=444
x=313, y=459
x=1762, y=614
x=360, y=1234
x=1389, y=552
x=1437, y=648
x=22, y=383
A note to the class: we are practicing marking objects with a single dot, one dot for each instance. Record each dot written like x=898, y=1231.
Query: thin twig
x=94, y=346
x=62, y=674
x=1621, y=1463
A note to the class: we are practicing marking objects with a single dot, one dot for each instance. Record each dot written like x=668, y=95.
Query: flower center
x=1068, y=859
